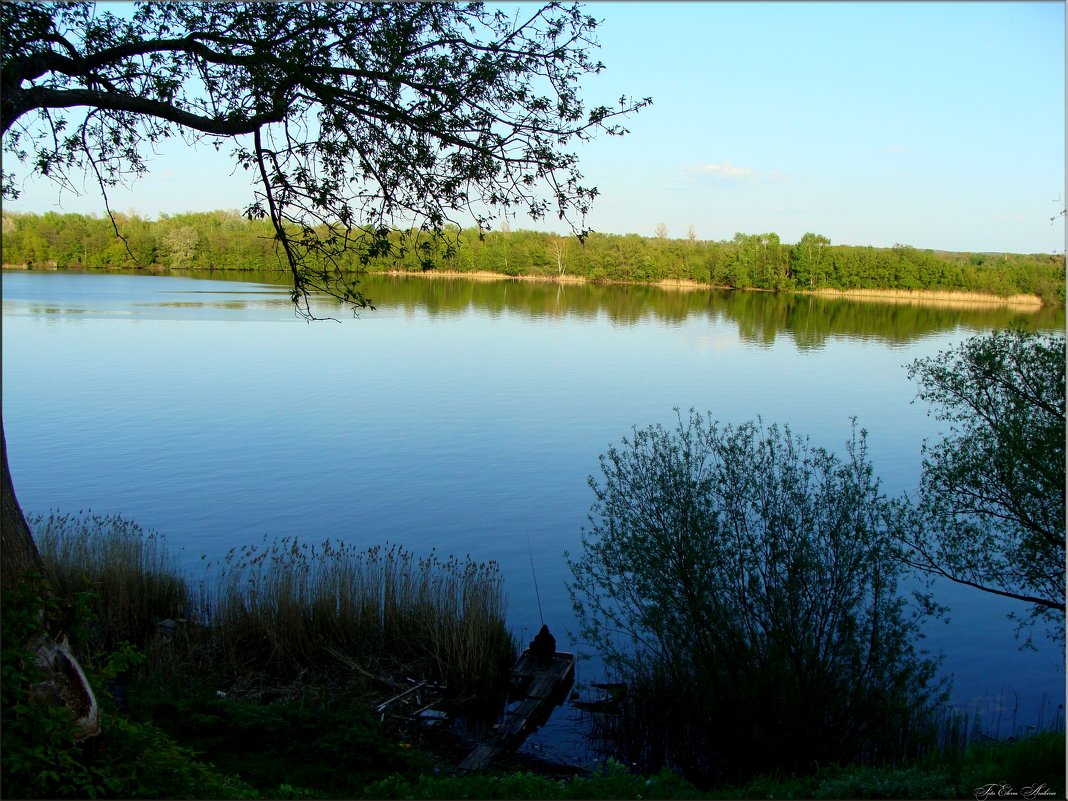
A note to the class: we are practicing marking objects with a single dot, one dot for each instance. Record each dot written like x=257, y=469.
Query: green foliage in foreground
x=223, y=240
x=39, y=757
x=1035, y=762
x=195, y=745
x=336, y=750
x=615, y=782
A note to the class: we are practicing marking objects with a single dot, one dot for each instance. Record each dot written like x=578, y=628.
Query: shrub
x=39, y=756
x=336, y=750
x=614, y=781
x=744, y=586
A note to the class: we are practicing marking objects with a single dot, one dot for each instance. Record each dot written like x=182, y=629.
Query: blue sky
x=938, y=125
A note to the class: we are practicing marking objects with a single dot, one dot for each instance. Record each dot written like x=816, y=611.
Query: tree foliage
x=744, y=585
x=992, y=493
x=228, y=242
x=353, y=118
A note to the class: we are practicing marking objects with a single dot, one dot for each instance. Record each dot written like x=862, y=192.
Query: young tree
x=743, y=585
x=181, y=245
x=992, y=493
x=557, y=250
x=807, y=257
x=353, y=119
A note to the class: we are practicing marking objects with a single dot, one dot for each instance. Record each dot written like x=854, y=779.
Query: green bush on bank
x=39, y=756
x=335, y=749
x=614, y=782
x=1032, y=766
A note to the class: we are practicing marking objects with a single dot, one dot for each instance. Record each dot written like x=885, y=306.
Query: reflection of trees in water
x=760, y=316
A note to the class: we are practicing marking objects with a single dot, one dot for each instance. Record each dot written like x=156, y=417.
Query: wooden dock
x=539, y=687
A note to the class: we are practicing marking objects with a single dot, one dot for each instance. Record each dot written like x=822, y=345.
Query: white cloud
x=724, y=170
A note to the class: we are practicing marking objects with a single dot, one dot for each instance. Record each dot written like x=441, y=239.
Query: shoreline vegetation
x=255, y=697
x=226, y=241
x=913, y=297
x=926, y=297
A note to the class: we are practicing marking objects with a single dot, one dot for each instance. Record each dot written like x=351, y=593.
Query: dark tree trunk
x=65, y=683
x=18, y=551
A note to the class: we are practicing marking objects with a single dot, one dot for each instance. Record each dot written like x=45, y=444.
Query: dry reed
x=133, y=576
x=931, y=297
x=291, y=606
x=281, y=609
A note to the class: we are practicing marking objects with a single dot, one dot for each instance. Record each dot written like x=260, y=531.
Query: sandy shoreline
x=918, y=297
x=925, y=297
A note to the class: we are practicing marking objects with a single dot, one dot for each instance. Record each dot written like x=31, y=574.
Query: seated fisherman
x=543, y=648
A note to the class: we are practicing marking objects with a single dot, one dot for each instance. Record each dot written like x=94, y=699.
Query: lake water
x=463, y=416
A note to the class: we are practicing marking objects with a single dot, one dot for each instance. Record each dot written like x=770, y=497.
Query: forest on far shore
x=225, y=240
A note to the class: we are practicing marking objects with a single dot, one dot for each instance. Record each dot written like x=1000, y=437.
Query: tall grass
x=134, y=578
x=282, y=609
x=291, y=606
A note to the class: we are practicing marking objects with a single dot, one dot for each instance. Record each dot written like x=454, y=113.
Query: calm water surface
x=463, y=416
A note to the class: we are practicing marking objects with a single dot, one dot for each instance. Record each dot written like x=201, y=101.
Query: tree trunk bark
x=18, y=551
x=65, y=683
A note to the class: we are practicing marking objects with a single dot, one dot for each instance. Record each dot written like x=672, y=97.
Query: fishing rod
x=535, y=575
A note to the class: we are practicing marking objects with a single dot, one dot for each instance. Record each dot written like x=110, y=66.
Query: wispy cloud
x=724, y=170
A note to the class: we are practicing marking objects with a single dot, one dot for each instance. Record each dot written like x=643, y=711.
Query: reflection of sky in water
x=136, y=297
x=210, y=412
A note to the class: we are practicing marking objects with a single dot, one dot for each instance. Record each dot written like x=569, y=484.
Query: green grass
x=336, y=750
x=955, y=773
x=1028, y=763
x=614, y=782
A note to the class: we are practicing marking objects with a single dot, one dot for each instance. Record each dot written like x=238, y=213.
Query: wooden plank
x=480, y=758
x=539, y=698
x=381, y=707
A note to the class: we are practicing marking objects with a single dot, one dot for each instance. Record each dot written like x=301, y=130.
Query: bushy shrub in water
x=744, y=586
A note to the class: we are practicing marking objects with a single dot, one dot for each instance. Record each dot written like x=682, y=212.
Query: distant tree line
x=224, y=240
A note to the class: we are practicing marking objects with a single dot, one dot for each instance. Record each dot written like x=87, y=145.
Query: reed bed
x=291, y=606
x=133, y=577
x=278, y=611
x=932, y=297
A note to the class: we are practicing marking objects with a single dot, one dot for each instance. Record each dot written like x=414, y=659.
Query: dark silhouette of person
x=543, y=647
